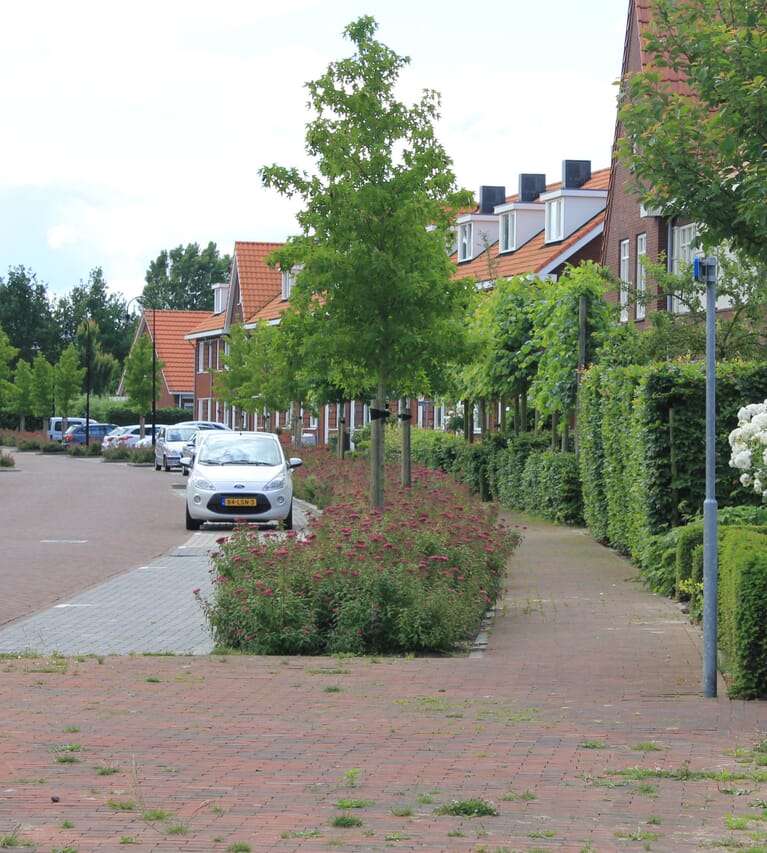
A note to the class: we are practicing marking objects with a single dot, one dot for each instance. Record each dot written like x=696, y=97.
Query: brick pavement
x=583, y=722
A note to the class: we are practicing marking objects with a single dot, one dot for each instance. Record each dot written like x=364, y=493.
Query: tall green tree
x=92, y=300
x=21, y=394
x=181, y=279
x=68, y=379
x=697, y=150
x=138, y=378
x=8, y=354
x=570, y=319
x=26, y=315
x=372, y=256
x=43, y=396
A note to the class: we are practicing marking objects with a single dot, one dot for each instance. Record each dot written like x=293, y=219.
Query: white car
x=171, y=441
x=239, y=476
x=129, y=436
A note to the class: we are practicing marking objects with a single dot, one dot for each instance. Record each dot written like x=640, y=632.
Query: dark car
x=76, y=434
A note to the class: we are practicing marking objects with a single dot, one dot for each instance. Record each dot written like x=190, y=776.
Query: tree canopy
x=181, y=279
x=372, y=259
x=695, y=119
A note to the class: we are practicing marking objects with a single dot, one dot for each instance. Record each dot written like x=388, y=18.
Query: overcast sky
x=135, y=127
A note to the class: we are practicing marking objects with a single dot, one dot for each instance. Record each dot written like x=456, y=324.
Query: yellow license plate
x=240, y=502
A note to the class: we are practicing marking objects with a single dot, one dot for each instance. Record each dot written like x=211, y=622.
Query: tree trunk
x=296, y=424
x=405, y=417
x=468, y=422
x=377, y=423
x=341, y=430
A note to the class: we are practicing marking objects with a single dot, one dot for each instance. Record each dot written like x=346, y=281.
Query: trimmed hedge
x=642, y=443
x=742, y=628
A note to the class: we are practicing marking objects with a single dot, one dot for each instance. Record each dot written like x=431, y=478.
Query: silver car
x=239, y=476
x=170, y=442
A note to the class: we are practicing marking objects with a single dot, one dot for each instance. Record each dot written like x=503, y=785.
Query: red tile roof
x=168, y=329
x=536, y=256
x=258, y=282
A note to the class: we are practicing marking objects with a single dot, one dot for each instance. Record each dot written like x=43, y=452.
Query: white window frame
x=466, y=241
x=555, y=220
x=201, y=356
x=288, y=279
x=684, y=255
x=508, y=231
x=624, y=255
x=641, y=278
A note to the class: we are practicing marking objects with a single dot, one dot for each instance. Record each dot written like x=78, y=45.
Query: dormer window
x=288, y=280
x=220, y=293
x=508, y=235
x=465, y=241
x=555, y=220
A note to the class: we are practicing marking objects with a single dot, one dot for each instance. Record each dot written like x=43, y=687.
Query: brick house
x=631, y=229
x=168, y=331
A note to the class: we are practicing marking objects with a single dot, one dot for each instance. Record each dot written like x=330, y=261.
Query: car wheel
x=288, y=523
x=165, y=463
x=192, y=523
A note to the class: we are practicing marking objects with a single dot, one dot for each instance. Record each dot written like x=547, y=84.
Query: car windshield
x=243, y=451
x=180, y=434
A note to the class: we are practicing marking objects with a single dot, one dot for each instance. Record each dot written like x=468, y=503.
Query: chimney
x=575, y=173
x=531, y=186
x=489, y=197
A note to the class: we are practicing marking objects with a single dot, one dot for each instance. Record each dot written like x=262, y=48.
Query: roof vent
x=531, y=186
x=575, y=173
x=489, y=197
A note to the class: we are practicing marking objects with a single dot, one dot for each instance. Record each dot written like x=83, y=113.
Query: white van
x=56, y=433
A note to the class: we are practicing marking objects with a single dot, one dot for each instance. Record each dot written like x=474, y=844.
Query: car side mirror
x=295, y=462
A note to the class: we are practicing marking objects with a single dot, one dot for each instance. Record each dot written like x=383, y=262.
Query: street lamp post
x=140, y=300
x=87, y=381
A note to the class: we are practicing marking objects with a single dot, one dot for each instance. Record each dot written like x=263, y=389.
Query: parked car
x=96, y=432
x=111, y=437
x=171, y=440
x=189, y=449
x=55, y=431
x=240, y=475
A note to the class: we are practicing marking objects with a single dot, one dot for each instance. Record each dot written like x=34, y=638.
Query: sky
x=136, y=127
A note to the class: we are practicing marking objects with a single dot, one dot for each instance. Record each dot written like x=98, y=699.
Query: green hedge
x=642, y=447
x=742, y=627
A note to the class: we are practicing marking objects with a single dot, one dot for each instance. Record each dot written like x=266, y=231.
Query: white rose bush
x=749, y=446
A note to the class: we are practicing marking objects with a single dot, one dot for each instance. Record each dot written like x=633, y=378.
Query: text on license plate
x=240, y=502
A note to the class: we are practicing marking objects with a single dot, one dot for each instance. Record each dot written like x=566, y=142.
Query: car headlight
x=203, y=484
x=277, y=483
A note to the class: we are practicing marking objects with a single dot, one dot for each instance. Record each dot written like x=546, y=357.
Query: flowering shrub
x=749, y=446
x=417, y=577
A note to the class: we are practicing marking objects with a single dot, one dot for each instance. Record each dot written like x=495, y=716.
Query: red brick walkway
x=583, y=723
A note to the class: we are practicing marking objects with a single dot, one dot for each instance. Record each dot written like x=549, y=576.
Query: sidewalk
x=582, y=722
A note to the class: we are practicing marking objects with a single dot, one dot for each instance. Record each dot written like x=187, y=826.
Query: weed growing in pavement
x=592, y=744
x=13, y=839
x=352, y=804
x=417, y=577
x=468, y=808
x=121, y=805
x=645, y=746
x=239, y=847
x=351, y=777
x=402, y=812
x=345, y=821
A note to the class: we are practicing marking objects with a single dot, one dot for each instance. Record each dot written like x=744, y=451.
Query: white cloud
x=60, y=235
x=137, y=128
